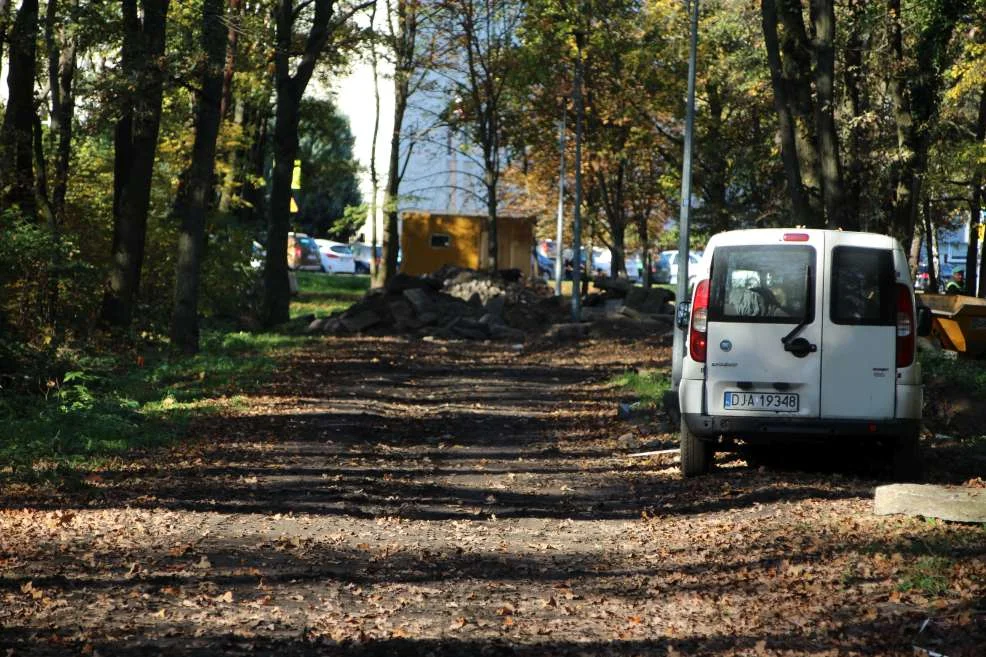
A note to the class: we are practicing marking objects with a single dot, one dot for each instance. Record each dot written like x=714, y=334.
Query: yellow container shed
x=430, y=240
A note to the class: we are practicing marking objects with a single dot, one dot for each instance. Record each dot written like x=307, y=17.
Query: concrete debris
x=456, y=303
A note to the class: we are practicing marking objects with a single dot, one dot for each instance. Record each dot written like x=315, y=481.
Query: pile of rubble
x=457, y=303
x=451, y=303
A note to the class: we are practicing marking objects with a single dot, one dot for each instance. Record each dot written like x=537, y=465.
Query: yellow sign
x=294, y=206
x=981, y=229
x=296, y=177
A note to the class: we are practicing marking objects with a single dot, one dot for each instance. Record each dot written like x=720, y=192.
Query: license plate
x=785, y=402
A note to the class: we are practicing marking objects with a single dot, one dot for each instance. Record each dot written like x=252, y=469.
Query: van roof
x=806, y=235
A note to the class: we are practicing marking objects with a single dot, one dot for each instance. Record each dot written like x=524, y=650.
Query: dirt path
x=424, y=498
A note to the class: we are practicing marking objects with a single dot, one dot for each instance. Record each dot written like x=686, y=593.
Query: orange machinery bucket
x=958, y=321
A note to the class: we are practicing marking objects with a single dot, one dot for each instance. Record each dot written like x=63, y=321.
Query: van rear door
x=765, y=327
x=859, y=359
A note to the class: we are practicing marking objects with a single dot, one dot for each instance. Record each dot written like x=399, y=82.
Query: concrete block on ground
x=954, y=503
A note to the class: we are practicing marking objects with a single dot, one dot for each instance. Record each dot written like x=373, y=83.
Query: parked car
x=667, y=261
x=545, y=265
x=634, y=264
x=362, y=255
x=806, y=336
x=303, y=253
x=257, y=255
x=602, y=261
x=336, y=257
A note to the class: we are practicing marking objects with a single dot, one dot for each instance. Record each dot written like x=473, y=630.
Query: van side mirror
x=683, y=315
x=924, y=321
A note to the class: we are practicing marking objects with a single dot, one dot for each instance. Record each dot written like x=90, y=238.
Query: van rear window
x=863, y=286
x=770, y=284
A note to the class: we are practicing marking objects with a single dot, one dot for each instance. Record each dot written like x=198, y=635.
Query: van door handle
x=800, y=347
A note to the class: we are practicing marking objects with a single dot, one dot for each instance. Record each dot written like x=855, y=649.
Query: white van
x=797, y=334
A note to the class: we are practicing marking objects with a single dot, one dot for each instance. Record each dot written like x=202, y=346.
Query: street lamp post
x=686, y=197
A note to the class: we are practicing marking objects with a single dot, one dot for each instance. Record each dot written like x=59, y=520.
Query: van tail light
x=698, y=336
x=297, y=252
x=905, y=326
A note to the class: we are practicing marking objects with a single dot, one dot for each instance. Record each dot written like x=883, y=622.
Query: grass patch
x=928, y=576
x=648, y=386
x=108, y=404
x=323, y=294
x=947, y=372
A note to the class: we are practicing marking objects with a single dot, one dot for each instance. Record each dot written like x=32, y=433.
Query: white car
x=602, y=261
x=801, y=335
x=337, y=257
x=635, y=266
x=257, y=255
x=669, y=260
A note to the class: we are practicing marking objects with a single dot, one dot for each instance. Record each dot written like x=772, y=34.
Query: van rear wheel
x=696, y=454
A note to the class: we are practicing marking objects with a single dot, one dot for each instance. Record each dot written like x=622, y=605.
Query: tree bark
x=62, y=47
x=374, y=178
x=16, y=133
x=232, y=43
x=916, y=91
x=823, y=49
x=403, y=43
x=800, y=205
x=290, y=88
x=135, y=138
x=905, y=182
x=228, y=102
x=195, y=189
x=391, y=242
x=857, y=147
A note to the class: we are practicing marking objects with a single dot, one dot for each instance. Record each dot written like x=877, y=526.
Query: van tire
x=907, y=463
x=696, y=454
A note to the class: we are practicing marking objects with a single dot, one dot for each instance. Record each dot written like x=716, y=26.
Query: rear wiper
x=807, y=316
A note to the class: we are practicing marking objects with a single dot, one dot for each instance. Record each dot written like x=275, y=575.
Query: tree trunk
x=374, y=178
x=135, y=144
x=276, y=300
x=275, y=304
x=232, y=41
x=800, y=206
x=257, y=121
x=195, y=189
x=858, y=147
x=833, y=192
x=62, y=47
x=403, y=42
x=391, y=240
x=915, y=90
x=16, y=133
x=905, y=193
x=494, y=225
x=717, y=174
x=228, y=186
